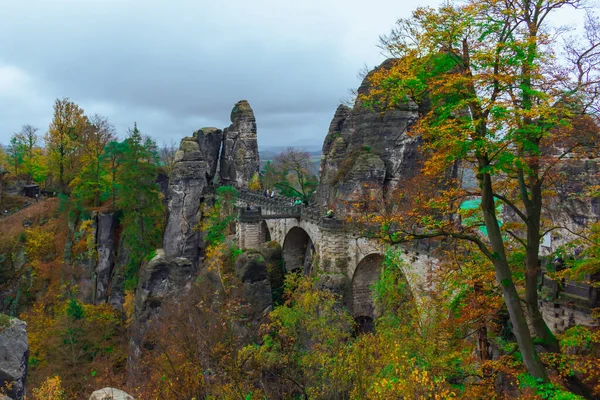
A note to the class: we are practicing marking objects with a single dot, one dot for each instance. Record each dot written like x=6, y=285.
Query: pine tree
x=143, y=211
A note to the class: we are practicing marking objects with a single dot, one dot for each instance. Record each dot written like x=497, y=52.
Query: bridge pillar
x=249, y=232
x=333, y=248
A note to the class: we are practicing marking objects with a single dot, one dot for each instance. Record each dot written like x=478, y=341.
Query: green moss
x=272, y=244
x=5, y=321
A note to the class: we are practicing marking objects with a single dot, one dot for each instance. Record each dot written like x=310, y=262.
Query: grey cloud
x=174, y=66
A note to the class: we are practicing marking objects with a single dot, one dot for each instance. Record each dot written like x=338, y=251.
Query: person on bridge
x=272, y=194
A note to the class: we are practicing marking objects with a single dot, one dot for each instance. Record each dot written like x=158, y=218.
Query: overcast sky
x=176, y=66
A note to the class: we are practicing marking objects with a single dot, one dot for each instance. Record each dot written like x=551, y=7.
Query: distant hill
x=270, y=152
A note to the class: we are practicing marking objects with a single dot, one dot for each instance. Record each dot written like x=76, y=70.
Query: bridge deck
x=278, y=207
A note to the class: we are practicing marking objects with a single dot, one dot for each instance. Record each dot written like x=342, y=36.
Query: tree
x=488, y=85
x=255, y=183
x=3, y=173
x=91, y=182
x=16, y=152
x=291, y=173
x=28, y=138
x=302, y=343
x=143, y=211
x=113, y=155
x=63, y=138
x=167, y=156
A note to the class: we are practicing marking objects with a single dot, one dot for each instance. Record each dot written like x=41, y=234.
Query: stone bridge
x=312, y=242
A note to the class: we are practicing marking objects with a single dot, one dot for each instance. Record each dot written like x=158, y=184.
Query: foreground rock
x=14, y=355
x=110, y=394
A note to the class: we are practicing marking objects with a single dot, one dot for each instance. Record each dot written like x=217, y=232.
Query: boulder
x=109, y=393
x=14, y=356
x=239, y=158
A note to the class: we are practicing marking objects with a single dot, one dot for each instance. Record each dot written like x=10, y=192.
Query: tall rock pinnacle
x=193, y=172
x=239, y=157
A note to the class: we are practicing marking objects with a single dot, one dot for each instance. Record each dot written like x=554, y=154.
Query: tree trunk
x=482, y=340
x=532, y=263
x=504, y=277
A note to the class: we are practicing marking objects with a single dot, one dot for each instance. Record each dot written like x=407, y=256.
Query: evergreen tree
x=139, y=198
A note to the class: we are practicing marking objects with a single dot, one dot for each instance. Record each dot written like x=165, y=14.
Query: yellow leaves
x=50, y=389
x=255, y=183
x=129, y=306
x=39, y=244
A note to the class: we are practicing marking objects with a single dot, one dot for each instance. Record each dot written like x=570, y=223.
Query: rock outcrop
x=366, y=153
x=105, y=244
x=251, y=269
x=116, y=297
x=109, y=393
x=191, y=178
x=161, y=278
x=14, y=356
x=239, y=158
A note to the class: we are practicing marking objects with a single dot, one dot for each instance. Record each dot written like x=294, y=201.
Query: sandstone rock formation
x=239, y=158
x=161, y=278
x=116, y=297
x=366, y=153
x=251, y=269
x=105, y=245
x=14, y=355
x=109, y=393
x=192, y=176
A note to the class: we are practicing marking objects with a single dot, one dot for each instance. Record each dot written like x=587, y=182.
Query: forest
x=499, y=94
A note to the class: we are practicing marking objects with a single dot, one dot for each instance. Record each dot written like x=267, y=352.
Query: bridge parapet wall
x=334, y=246
x=248, y=230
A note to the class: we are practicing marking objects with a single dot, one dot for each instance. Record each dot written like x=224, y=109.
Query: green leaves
x=143, y=211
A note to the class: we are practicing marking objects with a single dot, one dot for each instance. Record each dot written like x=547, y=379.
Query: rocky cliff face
x=572, y=207
x=239, y=158
x=14, y=355
x=105, y=240
x=365, y=154
x=191, y=186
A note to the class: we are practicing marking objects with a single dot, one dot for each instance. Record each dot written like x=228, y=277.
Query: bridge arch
x=298, y=251
x=362, y=294
x=265, y=232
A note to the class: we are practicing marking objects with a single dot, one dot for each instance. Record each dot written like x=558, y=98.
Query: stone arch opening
x=265, y=233
x=363, y=295
x=298, y=251
x=364, y=324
